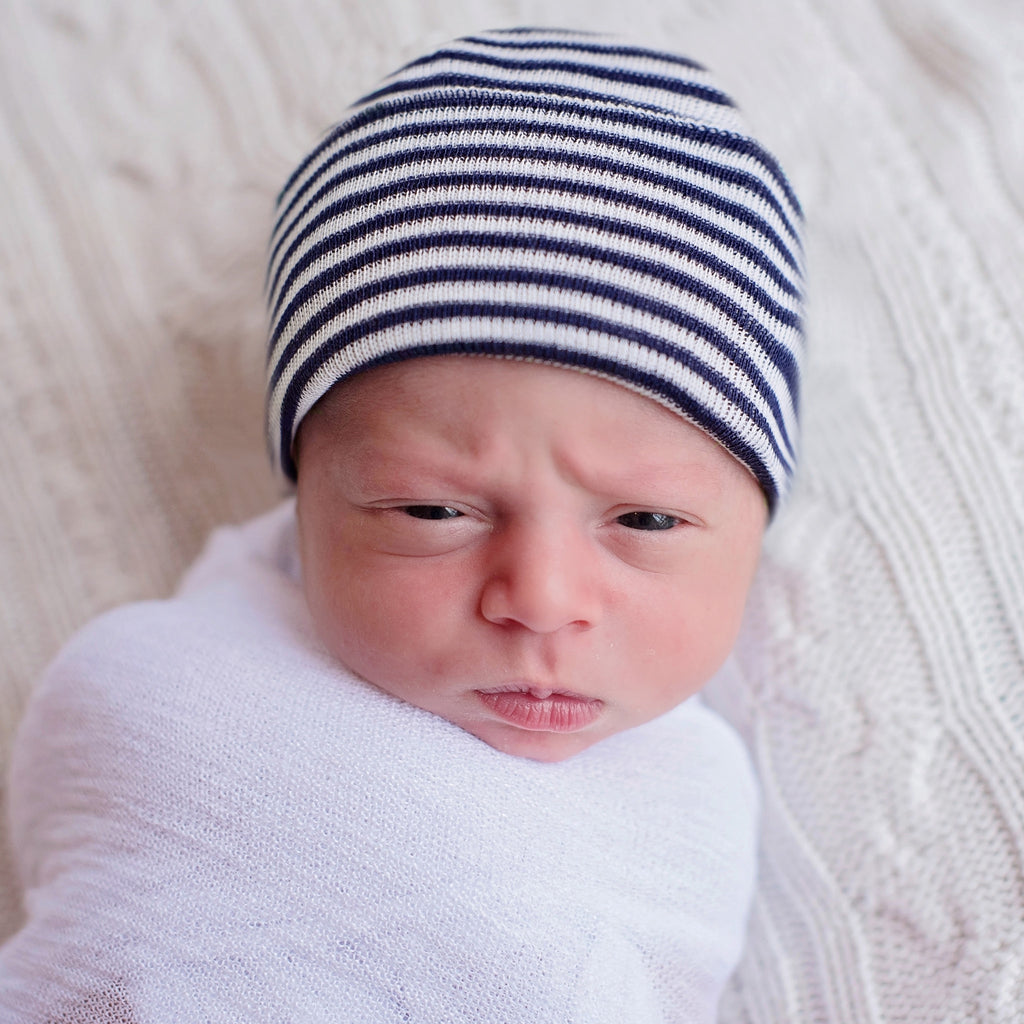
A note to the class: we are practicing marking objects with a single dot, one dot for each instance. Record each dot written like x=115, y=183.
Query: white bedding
x=882, y=663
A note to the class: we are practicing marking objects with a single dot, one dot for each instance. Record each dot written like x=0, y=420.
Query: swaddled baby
x=424, y=744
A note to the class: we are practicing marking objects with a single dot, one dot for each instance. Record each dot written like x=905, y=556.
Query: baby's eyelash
x=648, y=520
x=431, y=511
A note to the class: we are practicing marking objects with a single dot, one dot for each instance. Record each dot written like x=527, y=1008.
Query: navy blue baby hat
x=553, y=196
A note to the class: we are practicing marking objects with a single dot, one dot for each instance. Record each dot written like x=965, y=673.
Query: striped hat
x=551, y=196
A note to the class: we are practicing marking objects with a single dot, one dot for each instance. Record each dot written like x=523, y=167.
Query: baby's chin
x=536, y=746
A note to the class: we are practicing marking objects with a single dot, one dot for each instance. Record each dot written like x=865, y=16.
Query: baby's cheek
x=391, y=639
x=344, y=626
x=689, y=647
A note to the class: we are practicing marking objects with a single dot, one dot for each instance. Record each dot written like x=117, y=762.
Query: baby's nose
x=542, y=578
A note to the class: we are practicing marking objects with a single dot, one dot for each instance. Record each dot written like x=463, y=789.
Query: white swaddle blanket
x=214, y=822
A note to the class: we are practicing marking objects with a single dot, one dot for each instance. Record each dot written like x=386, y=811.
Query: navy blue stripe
x=597, y=49
x=454, y=80
x=563, y=283
x=616, y=114
x=634, y=147
x=339, y=240
x=510, y=244
x=626, y=200
x=546, y=353
x=620, y=76
x=548, y=30
x=572, y=160
x=328, y=311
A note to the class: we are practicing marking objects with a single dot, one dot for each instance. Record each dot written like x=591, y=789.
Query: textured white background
x=881, y=680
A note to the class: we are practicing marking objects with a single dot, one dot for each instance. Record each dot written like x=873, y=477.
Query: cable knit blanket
x=880, y=681
x=215, y=822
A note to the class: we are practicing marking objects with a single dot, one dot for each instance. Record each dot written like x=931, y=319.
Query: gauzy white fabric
x=215, y=822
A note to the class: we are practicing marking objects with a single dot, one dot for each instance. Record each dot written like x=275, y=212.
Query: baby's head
x=536, y=309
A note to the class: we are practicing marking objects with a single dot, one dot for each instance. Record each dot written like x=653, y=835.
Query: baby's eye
x=648, y=520
x=431, y=511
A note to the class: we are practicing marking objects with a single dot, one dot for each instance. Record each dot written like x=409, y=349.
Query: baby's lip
x=541, y=708
x=537, y=690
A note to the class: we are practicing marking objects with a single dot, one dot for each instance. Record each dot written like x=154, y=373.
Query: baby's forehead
x=488, y=411
x=482, y=388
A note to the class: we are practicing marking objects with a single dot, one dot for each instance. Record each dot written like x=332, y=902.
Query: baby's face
x=540, y=556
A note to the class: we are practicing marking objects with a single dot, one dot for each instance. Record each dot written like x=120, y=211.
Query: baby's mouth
x=541, y=709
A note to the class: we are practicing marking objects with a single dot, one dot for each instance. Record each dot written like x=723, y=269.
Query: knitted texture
x=551, y=196
x=881, y=665
x=215, y=822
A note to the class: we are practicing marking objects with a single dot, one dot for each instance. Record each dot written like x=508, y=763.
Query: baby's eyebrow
x=411, y=463
x=407, y=470
x=658, y=479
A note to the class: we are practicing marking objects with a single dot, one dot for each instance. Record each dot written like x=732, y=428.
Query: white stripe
x=644, y=285
x=522, y=295
x=600, y=116
x=526, y=227
x=548, y=82
x=565, y=337
x=646, y=62
x=449, y=132
x=673, y=201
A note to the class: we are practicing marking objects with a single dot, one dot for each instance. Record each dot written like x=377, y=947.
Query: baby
x=533, y=370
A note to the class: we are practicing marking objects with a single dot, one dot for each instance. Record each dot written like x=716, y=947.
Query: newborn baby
x=540, y=556
x=423, y=744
